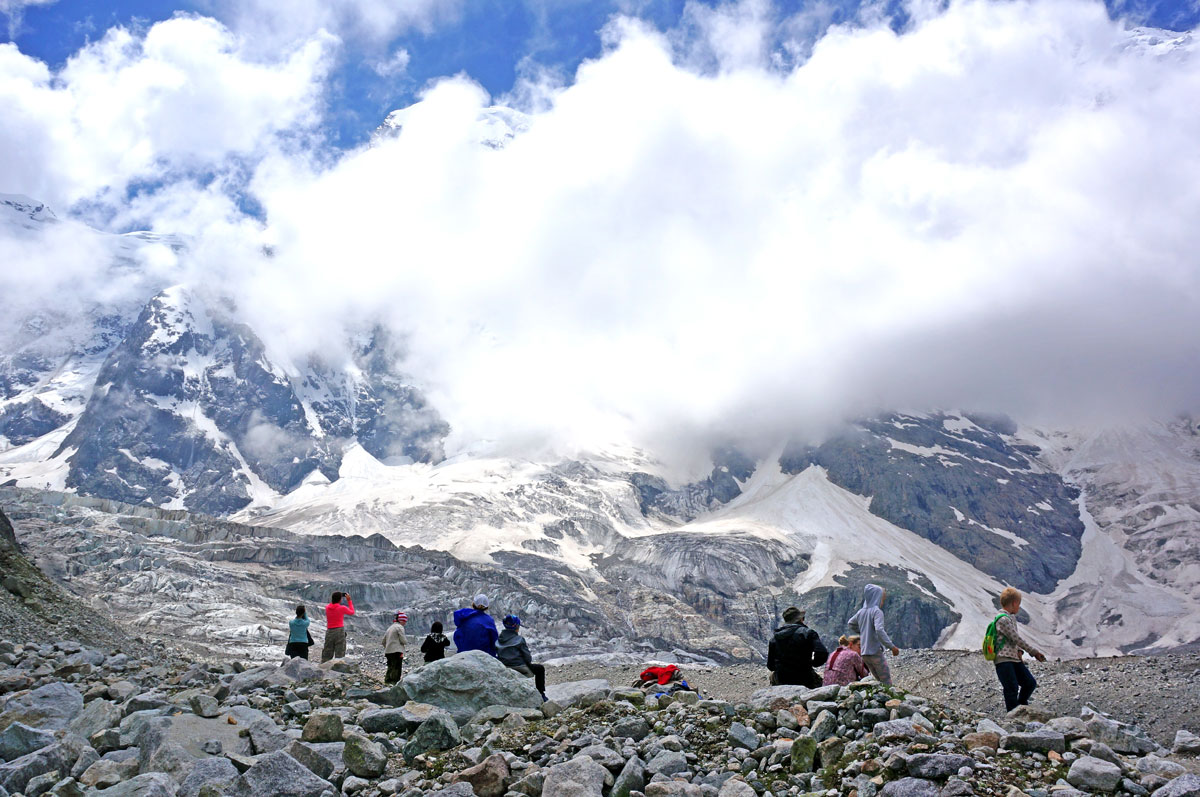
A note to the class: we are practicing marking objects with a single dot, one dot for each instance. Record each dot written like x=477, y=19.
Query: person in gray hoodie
x=514, y=654
x=868, y=624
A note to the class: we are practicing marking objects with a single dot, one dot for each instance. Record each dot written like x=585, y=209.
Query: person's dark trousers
x=395, y=664
x=1017, y=681
x=537, y=672
x=803, y=676
x=296, y=650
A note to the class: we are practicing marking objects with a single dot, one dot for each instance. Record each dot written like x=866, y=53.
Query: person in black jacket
x=434, y=646
x=514, y=654
x=795, y=651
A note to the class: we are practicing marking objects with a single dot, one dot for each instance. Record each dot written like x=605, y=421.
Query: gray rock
x=632, y=777
x=895, y=731
x=96, y=716
x=635, y=728
x=1071, y=727
x=804, y=754
x=578, y=693
x=204, y=705
x=937, y=766
x=579, y=777
x=19, y=739
x=407, y=718
x=488, y=778
x=311, y=757
x=1040, y=741
x=490, y=714
x=1186, y=743
x=108, y=772
x=910, y=787
x=741, y=736
x=1182, y=786
x=673, y=788
x=266, y=737
x=325, y=726
x=1119, y=736
x=606, y=757
x=667, y=762
x=467, y=682
x=824, y=726
x=763, y=699
x=1093, y=774
x=736, y=788
x=364, y=757
x=60, y=756
x=279, y=775
x=49, y=707
x=439, y=732
x=219, y=772
x=152, y=784
x=1154, y=765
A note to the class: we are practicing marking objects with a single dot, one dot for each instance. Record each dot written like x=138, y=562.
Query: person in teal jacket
x=299, y=640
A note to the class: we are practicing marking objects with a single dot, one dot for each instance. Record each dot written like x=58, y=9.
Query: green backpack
x=992, y=643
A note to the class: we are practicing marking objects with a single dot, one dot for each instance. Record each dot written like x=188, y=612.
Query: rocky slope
x=76, y=720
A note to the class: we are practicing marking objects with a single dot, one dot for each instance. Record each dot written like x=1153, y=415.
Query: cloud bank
x=722, y=230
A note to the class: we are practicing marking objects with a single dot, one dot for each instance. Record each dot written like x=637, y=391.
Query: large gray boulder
x=279, y=775
x=1119, y=736
x=218, y=772
x=19, y=739
x=578, y=693
x=62, y=755
x=152, y=784
x=95, y=717
x=439, y=732
x=403, y=719
x=466, y=682
x=579, y=777
x=50, y=707
x=1182, y=786
x=911, y=787
x=364, y=757
x=1093, y=774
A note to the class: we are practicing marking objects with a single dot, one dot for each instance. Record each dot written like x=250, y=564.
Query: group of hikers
x=795, y=650
x=793, y=654
x=474, y=630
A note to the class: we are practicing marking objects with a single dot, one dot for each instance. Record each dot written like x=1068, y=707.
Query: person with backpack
x=513, y=653
x=845, y=665
x=868, y=623
x=299, y=640
x=794, y=651
x=474, y=628
x=335, y=626
x=434, y=646
x=394, y=643
x=1003, y=644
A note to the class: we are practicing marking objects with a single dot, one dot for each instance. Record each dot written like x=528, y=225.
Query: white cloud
x=137, y=108
x=394, y=65
x=14, y=11
x=993, y=208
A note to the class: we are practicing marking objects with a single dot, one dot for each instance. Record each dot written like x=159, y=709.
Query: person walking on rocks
x=513, y=653
x=868, y=622
x=394, y=643
x=434, y=646
x=474, y=628
x=1015, y=679
x=794, y=651
x=335, y=626
x=299, y=640
x=845, y=665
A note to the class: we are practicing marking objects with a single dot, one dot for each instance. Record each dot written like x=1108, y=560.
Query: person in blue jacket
x=474, y=628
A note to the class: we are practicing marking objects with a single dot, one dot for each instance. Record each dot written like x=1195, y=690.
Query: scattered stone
x=279, y=775
x=910, y=787
x=467, y=682
x=1092, y=773
x=364, y=757
x=1182, y=786
x=1186, y=743
x=324, y=726
x=488, y=778
x=578, y=777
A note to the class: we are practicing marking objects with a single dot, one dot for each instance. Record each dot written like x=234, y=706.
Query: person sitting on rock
x=514, y=654
x=434, y=646
x=474, y=628
x=868, y=621
x=1015, y=679
x=845, y=665
x=394, y=643
x=299, y=640
x=795, y=651
x=335, y=626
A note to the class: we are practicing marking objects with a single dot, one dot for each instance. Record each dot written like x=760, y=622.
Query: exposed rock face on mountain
x=959, y=482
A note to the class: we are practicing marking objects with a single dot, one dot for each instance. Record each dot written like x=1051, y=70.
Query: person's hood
x=872, y=595
x=461, y=615
x=788, y=629
x=508, y=637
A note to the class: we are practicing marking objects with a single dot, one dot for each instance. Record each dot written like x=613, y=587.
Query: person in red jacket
x=335, y=626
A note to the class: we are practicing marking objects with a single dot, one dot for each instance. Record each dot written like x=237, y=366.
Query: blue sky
x=489, y=40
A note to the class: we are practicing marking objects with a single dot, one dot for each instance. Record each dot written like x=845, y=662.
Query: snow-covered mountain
x=166, y=398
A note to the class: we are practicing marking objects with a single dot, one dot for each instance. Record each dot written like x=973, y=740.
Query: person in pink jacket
x=335, y=626
x=845, y=665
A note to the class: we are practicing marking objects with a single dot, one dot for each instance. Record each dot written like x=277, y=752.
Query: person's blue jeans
x=1017, y=681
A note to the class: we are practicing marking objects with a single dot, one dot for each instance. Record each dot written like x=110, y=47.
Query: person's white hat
x=481, y=600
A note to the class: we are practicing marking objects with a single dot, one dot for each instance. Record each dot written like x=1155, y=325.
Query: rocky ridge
x=78, y=720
